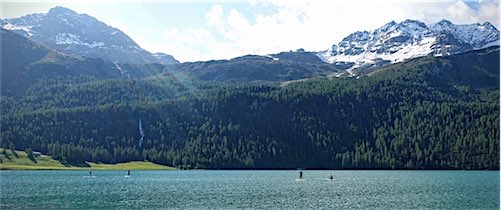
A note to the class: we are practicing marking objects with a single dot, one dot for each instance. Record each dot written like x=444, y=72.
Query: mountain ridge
x=65, y=30
x=27, y=62
x=357, y=54
x=426, y=113
x=395, y=42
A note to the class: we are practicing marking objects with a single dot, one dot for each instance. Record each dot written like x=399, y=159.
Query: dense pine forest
x=427, y=113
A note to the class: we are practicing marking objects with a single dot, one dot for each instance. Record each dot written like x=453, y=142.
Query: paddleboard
x=126, y=176
x=300, y=179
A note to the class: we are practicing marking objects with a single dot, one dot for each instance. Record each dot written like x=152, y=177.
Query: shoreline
x=20, y=161
x=133, y=165
x=119, y=167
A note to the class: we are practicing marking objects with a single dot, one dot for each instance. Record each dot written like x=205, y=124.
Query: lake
x=250, y=189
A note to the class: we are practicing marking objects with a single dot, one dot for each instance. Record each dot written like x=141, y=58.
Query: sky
x=206, y=30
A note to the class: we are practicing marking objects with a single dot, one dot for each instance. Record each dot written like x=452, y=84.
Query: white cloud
x=459, y=12
x=214, y=17
x=313, y=25
x=195, y=44
x=489, y=12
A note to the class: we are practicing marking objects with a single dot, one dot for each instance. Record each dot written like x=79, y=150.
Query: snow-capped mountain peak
x=396, y=42
x=65, y=30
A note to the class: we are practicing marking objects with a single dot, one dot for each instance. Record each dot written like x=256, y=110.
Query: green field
x=22, y=162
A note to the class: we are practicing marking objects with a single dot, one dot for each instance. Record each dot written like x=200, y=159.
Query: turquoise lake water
x=250, y=189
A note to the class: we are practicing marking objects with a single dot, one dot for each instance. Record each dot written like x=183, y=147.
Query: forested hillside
x=427, y=113
x=25, y=63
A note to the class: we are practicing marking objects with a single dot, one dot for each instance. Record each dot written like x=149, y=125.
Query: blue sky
x=205, y=30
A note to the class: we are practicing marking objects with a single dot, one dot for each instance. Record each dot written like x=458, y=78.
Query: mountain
x=24, y=62
x=357, y=54
x=66, y=31
x=299, y=55
x=164, y=59
x=425, y=113
x=283, y=66
x=397, y=42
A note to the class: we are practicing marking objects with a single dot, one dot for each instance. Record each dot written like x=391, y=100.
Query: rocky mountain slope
x=396, y=42
x=66, y=31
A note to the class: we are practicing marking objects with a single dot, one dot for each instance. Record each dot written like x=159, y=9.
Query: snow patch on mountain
x=65, y=38
x=70, y=39
x=26, y=29
x=66, y=31
x=397, y=42
x=271, y=57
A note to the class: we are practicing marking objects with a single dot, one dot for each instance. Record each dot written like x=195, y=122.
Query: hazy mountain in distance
x=165, y=59
x=283, y=66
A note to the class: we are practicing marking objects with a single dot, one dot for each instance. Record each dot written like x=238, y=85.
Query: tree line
x=423, y=114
